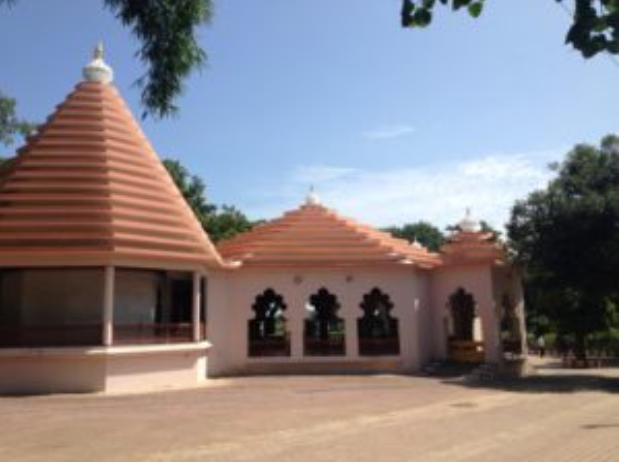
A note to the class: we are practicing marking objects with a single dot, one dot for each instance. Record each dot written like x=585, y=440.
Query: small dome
x=468, y=224
x=97, y=70
x=312, y=198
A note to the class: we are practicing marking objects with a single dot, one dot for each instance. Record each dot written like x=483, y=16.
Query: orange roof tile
x=314, y=235
x=89, y=186
x=472, y=247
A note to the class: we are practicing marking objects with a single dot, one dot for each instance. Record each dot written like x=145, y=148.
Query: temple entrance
x=268, y=335
x=324, y=333
x=378, y=331
x=464, y=341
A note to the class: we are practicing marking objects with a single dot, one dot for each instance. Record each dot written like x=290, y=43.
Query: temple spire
x=312, y=198
x=98, y=70
x=468, y=224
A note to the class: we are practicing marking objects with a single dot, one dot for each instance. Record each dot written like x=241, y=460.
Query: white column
x=197, y=279
x=351, y=333
x=108, y=306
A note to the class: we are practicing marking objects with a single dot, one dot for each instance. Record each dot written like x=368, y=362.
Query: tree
x=227, y=222
x=11, y=125
x=219, y=223
x=423, y=232
x=193, y=190
x=166, y=31
x=594, y=28
x=567, y=238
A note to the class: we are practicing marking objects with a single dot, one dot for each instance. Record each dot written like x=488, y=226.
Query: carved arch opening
x=462, y=344
x=378, y=330
x=324, y=331
x=268, y=333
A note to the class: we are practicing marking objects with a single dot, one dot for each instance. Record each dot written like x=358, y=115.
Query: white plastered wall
x=232, y=294
x=477, y=280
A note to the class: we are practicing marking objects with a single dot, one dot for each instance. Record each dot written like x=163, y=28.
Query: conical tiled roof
x=314, y=235
x=88, y=187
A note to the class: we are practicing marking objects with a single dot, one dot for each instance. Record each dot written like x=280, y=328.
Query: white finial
x=468, y=224
x=97, y=70
x=312, y=198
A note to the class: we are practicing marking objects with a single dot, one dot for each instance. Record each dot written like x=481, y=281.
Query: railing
x=466, y=351
x=329, y=347
x=369, y=346
x=142, y=334
x=269, y=347
x=50, y=336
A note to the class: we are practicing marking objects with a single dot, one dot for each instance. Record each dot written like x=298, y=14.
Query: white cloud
x=388, y=132
x=437, y=193
x=316, y=174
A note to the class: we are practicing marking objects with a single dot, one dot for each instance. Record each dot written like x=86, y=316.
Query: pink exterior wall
x=420, y=305
x=38, y=372
x=166, y=369
x=232, y=294
x=110, y=370
x=477, y=280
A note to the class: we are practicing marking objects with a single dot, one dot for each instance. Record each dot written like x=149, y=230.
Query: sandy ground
x=554, y=416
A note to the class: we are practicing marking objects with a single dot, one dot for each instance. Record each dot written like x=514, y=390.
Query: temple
x=108, y=283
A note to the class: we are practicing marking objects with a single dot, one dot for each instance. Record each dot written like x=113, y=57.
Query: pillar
x=350, y=313
x=108, y=306
x=296, y=321
x=196, y=302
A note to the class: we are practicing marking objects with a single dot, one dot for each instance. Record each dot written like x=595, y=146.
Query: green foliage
x=219, y=223
x=192, y=188
x=594, y=28
x=166, y=31
x=227, y=222
x=425, y=233
x=10, y=124
x=567, y=238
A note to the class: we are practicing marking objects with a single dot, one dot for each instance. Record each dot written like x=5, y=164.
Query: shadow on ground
x=548, y=379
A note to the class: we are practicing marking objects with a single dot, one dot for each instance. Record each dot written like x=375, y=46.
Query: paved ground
x=554, y=416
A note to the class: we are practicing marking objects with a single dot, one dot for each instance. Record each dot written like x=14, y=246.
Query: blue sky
x=390, y=125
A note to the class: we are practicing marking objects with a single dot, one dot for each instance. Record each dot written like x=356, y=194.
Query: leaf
x=422, y=18
x=475, y=9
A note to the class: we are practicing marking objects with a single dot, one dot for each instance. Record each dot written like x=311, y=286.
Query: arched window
x=463, y=346
x=462, y=308
x=378, y=331
x=267, y=331
x=324, y=330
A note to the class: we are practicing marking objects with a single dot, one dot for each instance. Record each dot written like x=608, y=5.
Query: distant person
x=541, y=346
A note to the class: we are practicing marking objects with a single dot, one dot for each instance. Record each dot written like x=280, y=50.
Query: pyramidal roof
x=88, y=187
x=473, y=247
x=314, y=235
